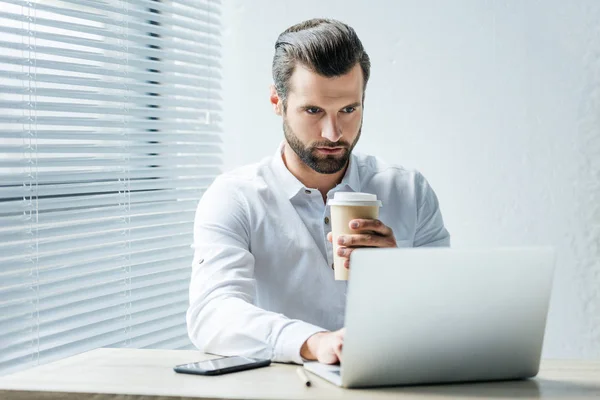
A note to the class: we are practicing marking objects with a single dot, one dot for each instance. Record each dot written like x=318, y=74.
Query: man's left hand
x=369, y=233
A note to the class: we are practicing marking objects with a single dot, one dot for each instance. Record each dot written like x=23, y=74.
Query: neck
x=309, y=177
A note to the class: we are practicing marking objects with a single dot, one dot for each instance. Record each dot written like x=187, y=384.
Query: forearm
x=231, y=326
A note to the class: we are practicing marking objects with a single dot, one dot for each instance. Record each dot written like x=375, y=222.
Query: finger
x=347, y=264
x=345, y=251
x=328, y=358
x=330, y=237
x=337, y=349
x=326, y=353
x=374, y=225
x=362, y=240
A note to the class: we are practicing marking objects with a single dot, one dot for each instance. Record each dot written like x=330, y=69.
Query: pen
x=303, y=376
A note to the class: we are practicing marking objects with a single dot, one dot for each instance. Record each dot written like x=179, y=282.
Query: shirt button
x=307, y=191
x=326, y=220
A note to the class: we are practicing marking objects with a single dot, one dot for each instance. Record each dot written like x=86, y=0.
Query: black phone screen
x=222, y=365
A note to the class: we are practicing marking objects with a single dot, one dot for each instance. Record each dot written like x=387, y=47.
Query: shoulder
x=229, y=194
x=240, y=180
x=372, y=169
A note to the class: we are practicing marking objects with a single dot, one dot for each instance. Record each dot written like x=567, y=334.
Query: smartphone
x=223, y=365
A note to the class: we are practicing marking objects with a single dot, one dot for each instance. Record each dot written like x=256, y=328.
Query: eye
x=313, y=110
x=349, y=110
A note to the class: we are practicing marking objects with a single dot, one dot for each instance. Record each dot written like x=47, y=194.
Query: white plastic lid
x=354, y=199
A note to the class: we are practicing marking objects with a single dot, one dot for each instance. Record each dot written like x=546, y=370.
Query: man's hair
x=325, y=46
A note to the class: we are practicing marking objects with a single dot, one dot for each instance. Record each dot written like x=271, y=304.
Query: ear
x=275, y=100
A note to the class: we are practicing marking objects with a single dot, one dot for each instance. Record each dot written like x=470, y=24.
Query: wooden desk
x=148, y=374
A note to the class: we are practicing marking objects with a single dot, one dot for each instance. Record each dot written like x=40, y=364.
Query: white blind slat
x=176, y=136
x=108, y=123
x=54, y=233
x=132, y=88
x=105, y=187
x=47, y=204
x=190, y=52
x=135, y=101
x=117, y=148
x=136, y=173
x=123, y=69
x=145, y=112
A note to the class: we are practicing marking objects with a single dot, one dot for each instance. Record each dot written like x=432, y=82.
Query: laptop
x=442, y=315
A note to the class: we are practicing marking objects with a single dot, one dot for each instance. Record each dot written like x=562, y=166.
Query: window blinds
x=109, y=133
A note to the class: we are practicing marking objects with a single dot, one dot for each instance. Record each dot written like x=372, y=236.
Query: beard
x=326, y=164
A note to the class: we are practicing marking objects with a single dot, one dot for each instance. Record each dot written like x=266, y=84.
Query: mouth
x=330, y=150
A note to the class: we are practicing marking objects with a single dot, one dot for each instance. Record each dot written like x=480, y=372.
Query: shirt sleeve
x=222, y=317
x=430, y=229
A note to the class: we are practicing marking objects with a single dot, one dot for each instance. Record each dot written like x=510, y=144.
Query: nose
x=331, y=129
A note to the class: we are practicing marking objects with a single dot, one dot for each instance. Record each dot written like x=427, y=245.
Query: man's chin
x=329, y=164
x=329, y=158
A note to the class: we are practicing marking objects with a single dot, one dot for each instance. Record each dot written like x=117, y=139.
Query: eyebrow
x=307, y=106
x=355, y=105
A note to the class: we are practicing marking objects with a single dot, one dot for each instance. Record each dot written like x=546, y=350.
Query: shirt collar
x=292, y=186
x=351, y=178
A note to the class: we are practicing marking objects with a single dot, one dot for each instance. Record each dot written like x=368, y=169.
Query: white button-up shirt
x=262, y=279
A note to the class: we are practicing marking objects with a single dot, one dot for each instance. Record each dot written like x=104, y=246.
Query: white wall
x=496, y=102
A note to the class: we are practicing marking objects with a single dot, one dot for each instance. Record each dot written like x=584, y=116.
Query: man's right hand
x=324, y=347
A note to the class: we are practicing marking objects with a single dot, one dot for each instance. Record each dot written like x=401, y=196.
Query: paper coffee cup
x=346, y=206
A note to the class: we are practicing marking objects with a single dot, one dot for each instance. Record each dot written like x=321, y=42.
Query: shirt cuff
x=290, y=341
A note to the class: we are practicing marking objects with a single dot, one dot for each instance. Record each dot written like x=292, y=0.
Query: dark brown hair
x=325, y=46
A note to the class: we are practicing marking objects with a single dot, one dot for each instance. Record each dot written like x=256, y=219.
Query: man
x=262, y=280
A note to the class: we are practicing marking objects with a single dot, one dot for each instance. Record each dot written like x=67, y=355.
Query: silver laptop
x=440, y=315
